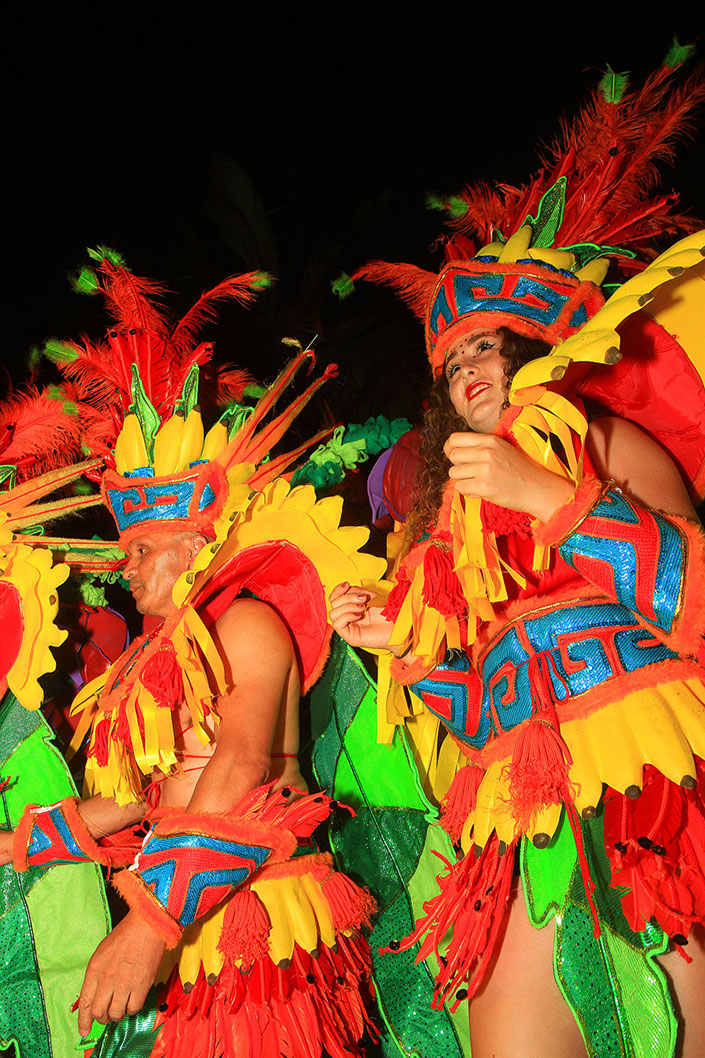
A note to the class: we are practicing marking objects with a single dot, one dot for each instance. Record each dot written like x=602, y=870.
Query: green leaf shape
x=613, y=85
x=549, y=215
x=590, y=251
x=389, y=846
x=678, y=53
x=8, y=475
x=234, y=417
x=617, y=993
x=40, y=973
x=145, y=411
x=189, y=394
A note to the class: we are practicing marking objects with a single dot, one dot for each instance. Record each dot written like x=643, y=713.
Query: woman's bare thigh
x=519, y=1012
x=687, y=981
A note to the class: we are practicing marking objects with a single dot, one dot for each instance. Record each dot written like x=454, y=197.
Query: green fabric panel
x=618, y=994
x=22, y=1016
x=586, y=977
x=547, y=874
x=68, y=905
x=646, y=1003
x=133, y=1037
x=42, y=953
x=387, y=847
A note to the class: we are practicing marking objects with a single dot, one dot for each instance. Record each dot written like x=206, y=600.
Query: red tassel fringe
x=246, y=927
x=460, y=800
x=350, y=904
x=472, y=902
x=441, y=587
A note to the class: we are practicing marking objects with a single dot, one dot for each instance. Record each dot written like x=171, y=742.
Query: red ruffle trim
x=317, y=1003
x=460, y=800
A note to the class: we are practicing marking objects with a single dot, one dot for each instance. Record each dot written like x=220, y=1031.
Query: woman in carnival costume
x=252, y=937
x=548, y=610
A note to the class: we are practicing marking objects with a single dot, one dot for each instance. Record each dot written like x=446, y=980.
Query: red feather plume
x=37, y=434
x=610, y=153
x=414, y=285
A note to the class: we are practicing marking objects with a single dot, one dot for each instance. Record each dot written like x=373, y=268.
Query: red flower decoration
x=161, y=676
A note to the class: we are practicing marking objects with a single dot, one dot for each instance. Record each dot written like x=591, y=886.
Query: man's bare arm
x=260, y=665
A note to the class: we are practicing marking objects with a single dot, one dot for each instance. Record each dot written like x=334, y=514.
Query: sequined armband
x=190, y=862
x=54, y=834
x=650, y=562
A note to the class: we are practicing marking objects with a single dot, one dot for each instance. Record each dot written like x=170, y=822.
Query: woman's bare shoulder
x=621, y=450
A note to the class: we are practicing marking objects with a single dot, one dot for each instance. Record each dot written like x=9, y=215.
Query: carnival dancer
x=549, y=606
x=251, y=935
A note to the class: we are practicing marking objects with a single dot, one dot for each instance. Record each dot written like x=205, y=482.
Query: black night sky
x=206, y=139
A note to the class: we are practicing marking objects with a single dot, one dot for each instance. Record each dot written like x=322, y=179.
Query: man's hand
x=489, y=467
x=6, y=843
x=355, y=621
x=120, y=973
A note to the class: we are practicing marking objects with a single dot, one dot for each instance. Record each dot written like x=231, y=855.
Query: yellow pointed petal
x=516, y=247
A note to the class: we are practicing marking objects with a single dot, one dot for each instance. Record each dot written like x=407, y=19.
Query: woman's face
x=477, y=384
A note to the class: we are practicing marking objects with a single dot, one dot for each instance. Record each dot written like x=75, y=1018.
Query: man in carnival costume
x=548, y=610
x=251, y=936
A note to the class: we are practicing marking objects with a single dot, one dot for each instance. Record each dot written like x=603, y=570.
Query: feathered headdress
x=137, y=395
x=544, y=249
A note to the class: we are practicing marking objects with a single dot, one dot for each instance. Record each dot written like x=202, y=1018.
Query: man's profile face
x=154, y=563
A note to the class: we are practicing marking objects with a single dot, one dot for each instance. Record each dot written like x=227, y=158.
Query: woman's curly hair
x=441, y=420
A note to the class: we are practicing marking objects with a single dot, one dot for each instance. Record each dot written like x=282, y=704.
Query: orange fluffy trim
x=141, y=899
x=318, y=863
x=568, y=517
x=230, y=827
x=84, y=838
x=21, y=840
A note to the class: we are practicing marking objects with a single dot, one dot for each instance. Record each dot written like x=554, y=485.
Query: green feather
x=456, y=207
x=613, y=85
x=59, y=352
x=253, y=390
x=434, y=201
x=678, y=53
x=84, y=281
x=343, y=286
x=262, y=280
x=104, y=253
